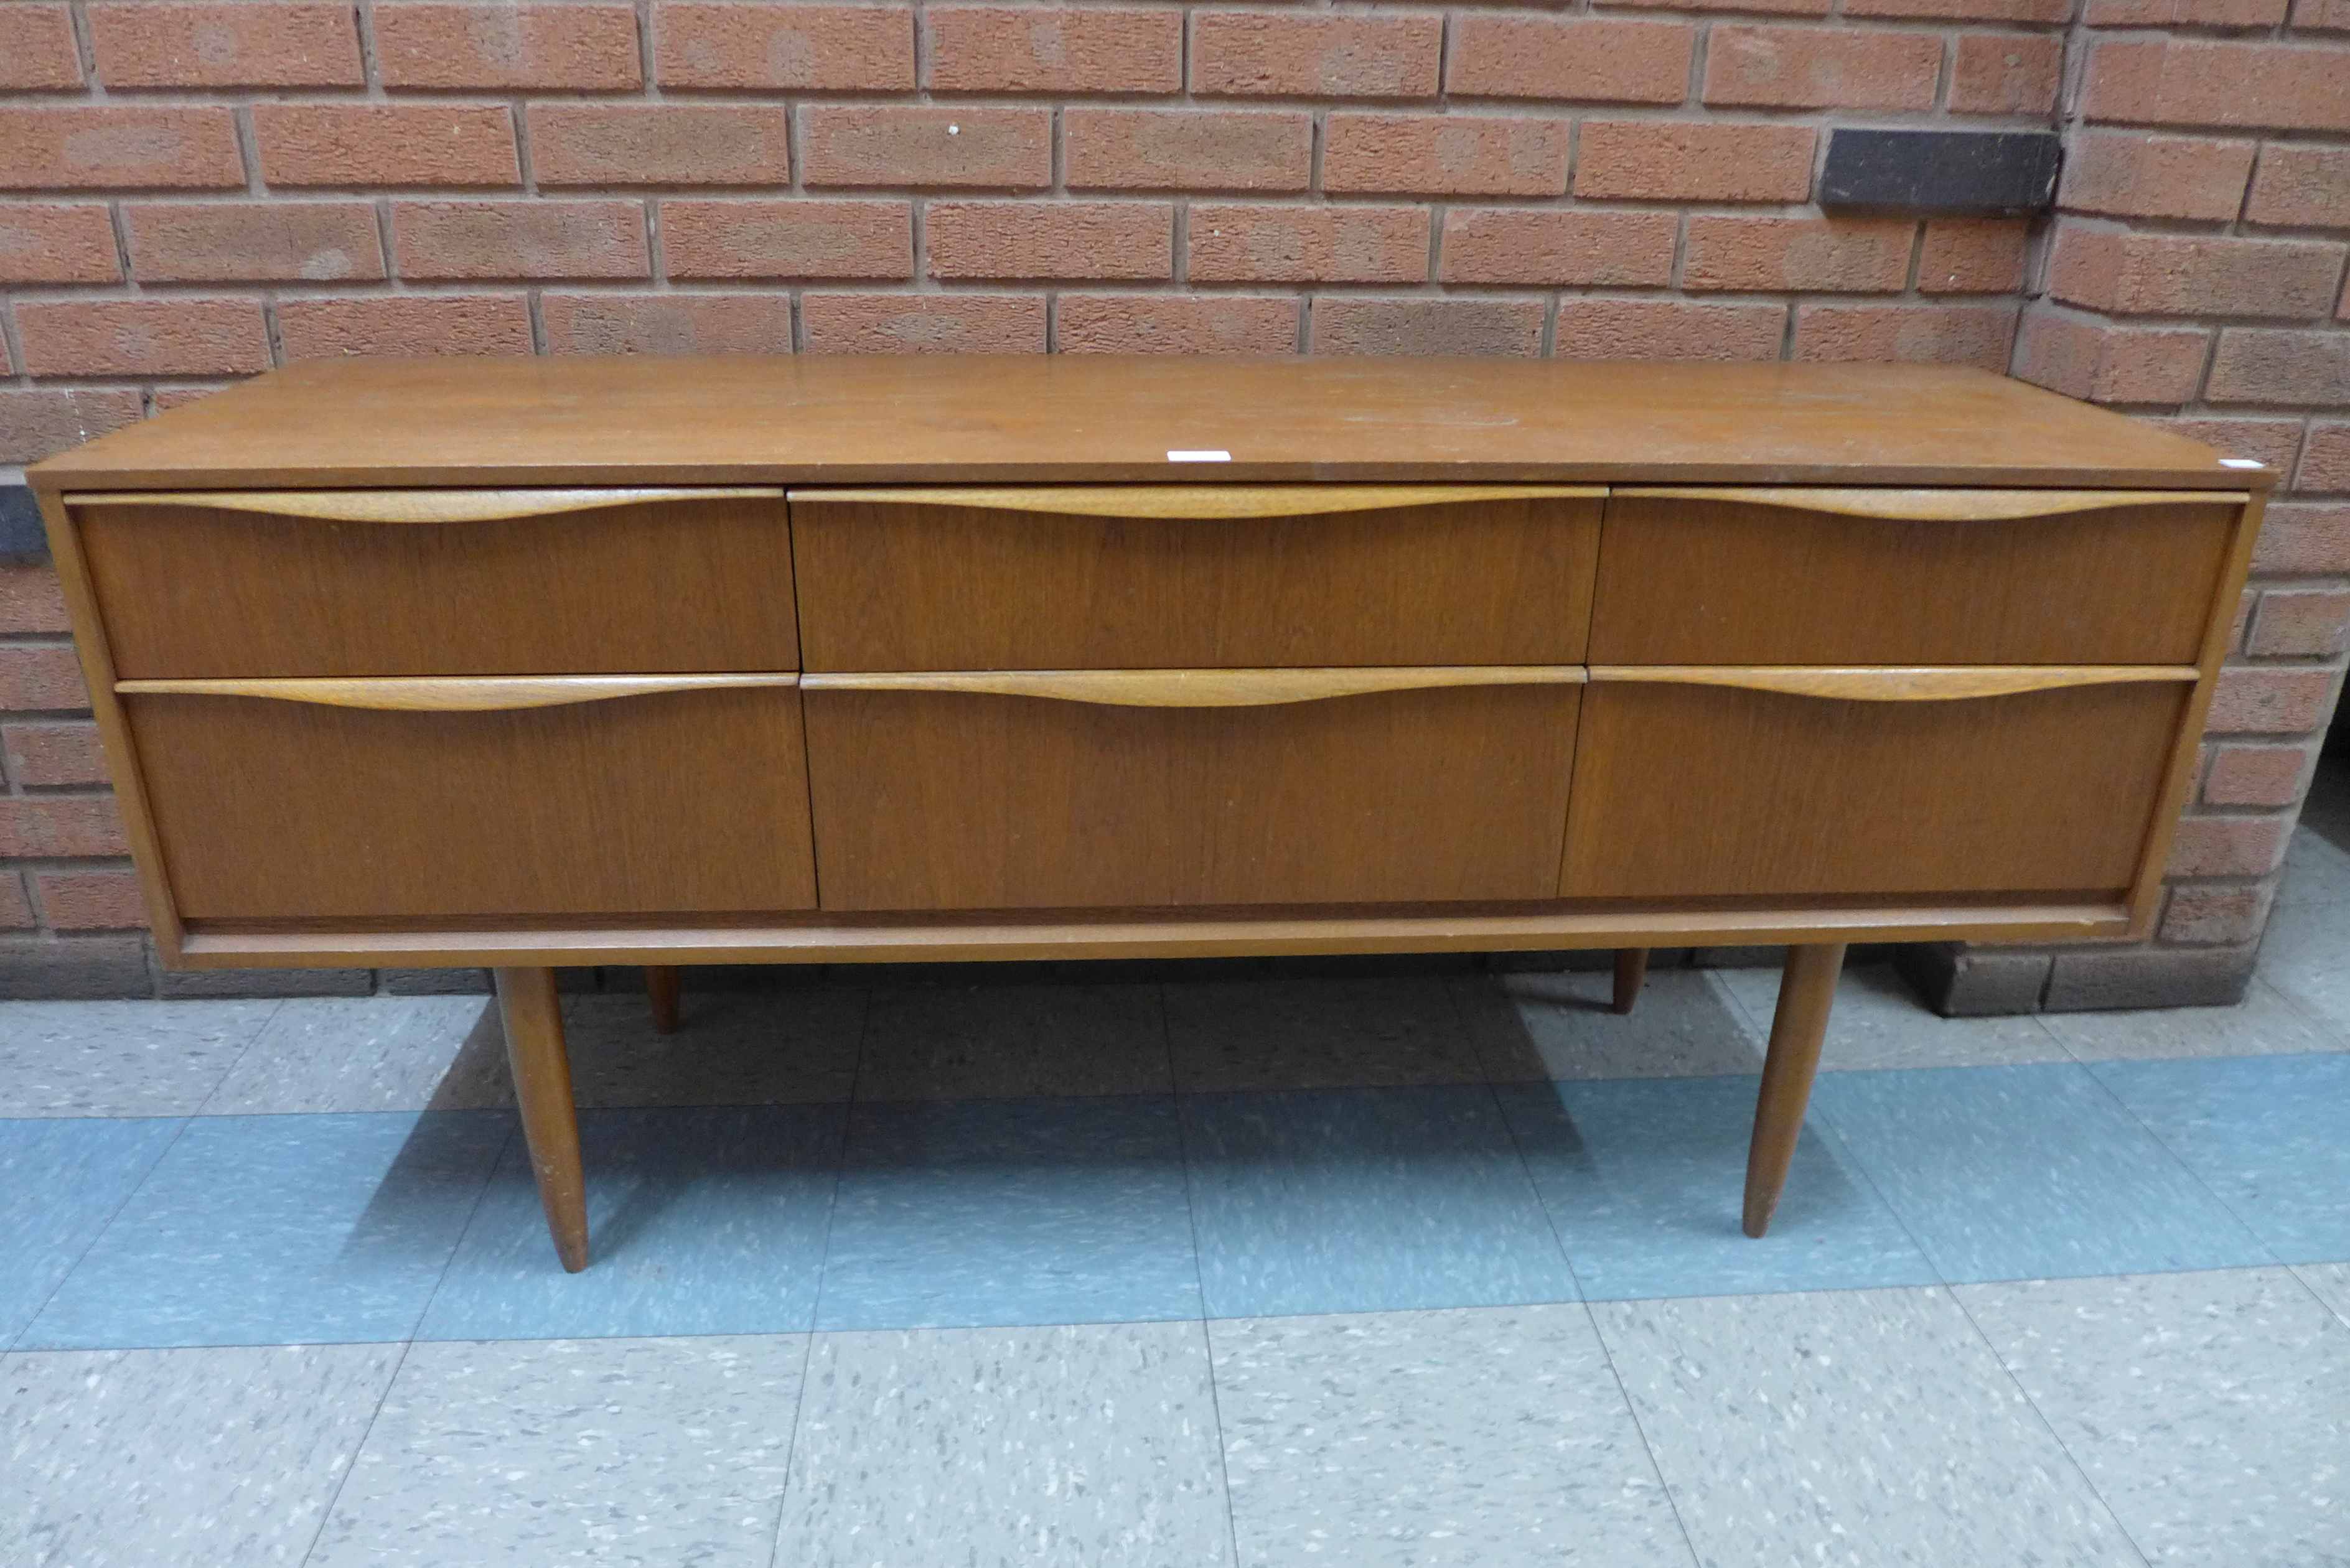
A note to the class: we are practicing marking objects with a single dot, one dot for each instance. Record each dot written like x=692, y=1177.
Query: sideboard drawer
x=1907, y=577
x=1696, y=791
x=1185, y=576
x=961, y=799
x=684, y=801
x=441, y=582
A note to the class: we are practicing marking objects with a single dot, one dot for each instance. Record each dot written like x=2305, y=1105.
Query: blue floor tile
x=1644, y=1179
x=2028, y=1172
x=995, y=1213
x=61, y=1180
x=700, y=1220
x=1365, y=1200
x=2271, y=1135
x=280, y=1230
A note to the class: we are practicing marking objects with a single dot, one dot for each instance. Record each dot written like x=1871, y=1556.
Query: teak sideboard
x=522, y=663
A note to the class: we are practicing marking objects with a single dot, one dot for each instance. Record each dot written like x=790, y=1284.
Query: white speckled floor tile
x=647, y=1452
x=1014, y=1041
x=2331, y=1281
x=1314, y=1034
x=1851, y=1429
x=2306, y=956
x=2210, y=1410
x=1419, y=1439
x=120, y=1058
x=1879, y=1022
x=1558, y=1024
x=792, y=1046
x=2263, y=1024
x=178, y=1459
x=1008, y=1447
x=360, y=1053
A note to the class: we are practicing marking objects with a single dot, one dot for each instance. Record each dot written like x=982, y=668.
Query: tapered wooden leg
x=542, y=1075
x=1631, y=969
x=660, y=988
x=1806, y=991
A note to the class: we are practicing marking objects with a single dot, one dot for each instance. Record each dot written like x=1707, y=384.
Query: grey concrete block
x=434, y=981
x=178, y=982
x=1959, y=980
x=2150, y=977
x=75, y=969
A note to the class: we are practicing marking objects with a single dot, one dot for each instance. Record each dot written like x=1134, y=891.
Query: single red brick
x=1557, y=245
x=1037, y=48
x=2210, y=915
x=1444, y=154
x=36, y=47
x=2301, y=187
x=2181, y=81
x=41, y=421
x=1174, y=324
x=2006, y=73
x=47, y=755
x=37, y=677
x=800, y=48
x=2271, y=441
x=2265, y=364
x=1607, y=328
x=667, y=323
x=787, y=239
x=660, y=144
x=60, y=826
x=245, y=43
x=578, y=44
x=1981, y=335
x=1963, y=255
x=2325, y=465
x=15, y=908
x=2083, y=356
x=1478, y=328
x=2257, y=775
x=1186, y=150
x=2300, y=538
x=385, y=144
x=404, y=324
x=2321, y=15
x=2300, y=623
x=916, y=146
x=56, y=242
x=1773, y=8
x=91, y=900
x=2183, y=275
x=170, y=336
x=1963, y=10
x=1308, y=245
x=2137, y=175
x=1821, y=67
x=31, y=601
x=223, y=242
x=2184, y=13
x=2264, y=699
x=1569, y=60
x=1839, y=254
x=1683, y=160
x=166, y=399
x=924, y=323
x=519, y=239
x=1050, y=239
x=1316, y=54
x=73, y=147
x=2227, y=847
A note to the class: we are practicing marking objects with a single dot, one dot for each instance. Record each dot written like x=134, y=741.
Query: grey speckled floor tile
x=1422, y=1438
x=360, y=1054
x=2208, y=1409
x=2306, y=956
x=2263, y=1024
x=120, y=1058
x=165, y=1457
x=2316, y=871
x=1878, y=1022
x=1851, y=1429
x=1023, y=1447
x=649, y=1452
x=2332, y=1284
x=794, y=1046
x=1012, y=1042
x=1277, y=1035
x=1557, y=1024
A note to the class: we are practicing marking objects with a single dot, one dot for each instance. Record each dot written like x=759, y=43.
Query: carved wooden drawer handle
x=1925, y=683
x=454, y=693
x=1938, y=505
x=418, y=505
x=1197, y=688
x=1206, y=501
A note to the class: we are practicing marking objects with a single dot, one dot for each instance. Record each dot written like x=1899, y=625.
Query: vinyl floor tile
x=2009, y=1173
x=120, y=1058
x=1011, y=1211
x=1014, y=1041
x=360, y=1054
x=1072, y=1446
x=1558, y=1024
x=2263, y=1024
x=700, y=1220
x=2269, y=1135
x=178, y=1459
x=279, y=1230
x=1425, y=1438
x=1856, y=1428
x=787, y=1046
x=1270, y=1035
x=2330, y=1282
x=2316, y=870
x=1644, y=1179
x=651, y=1451
x=2303, y=956
x=2209, y=1409
x=61, y=1181
x=1878, y=1022
x=1365, y=1200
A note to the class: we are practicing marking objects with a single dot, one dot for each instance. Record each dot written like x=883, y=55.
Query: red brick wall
x=194, y=192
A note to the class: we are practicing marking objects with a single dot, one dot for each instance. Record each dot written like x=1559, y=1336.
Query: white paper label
x=1199, y=456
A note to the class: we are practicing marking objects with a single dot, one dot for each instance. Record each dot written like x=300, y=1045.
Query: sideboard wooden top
x=1055, y=419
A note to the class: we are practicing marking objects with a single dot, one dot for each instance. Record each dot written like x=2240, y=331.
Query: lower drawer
x=942, y=800
x=679, y=802
x=1693, y=791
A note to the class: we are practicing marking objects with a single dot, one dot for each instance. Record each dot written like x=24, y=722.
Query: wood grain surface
x=1938, y=505
x=1196, y=500
x=1877, y=683
x=417, y=505
x=452, y=694
x=1202, y=688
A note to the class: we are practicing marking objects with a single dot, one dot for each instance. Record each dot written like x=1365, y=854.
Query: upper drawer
x=405, y=582
x=1194, y=576
x=1908, y=577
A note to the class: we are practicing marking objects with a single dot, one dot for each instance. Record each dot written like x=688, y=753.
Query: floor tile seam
x=1542, y=1204
x=2318, y=1021
x=1191, y=1206
x=791, y=1441
x=1639, y=1429
x=2339, y=1315
x=2269, y=1252
x=1757, y=1033
x=358, y=1447
x=864, y=1034
x=472, y=1213
x=1224, y=1455
x=1855, y=1161
x=244, y=1051
x=66, y=1273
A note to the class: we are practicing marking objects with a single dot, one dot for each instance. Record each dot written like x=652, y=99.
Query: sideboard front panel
x=929, y=800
